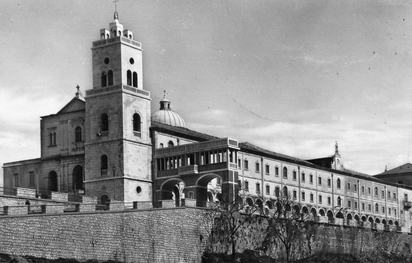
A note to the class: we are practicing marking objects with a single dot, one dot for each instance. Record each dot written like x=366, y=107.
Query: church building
x=109, y=145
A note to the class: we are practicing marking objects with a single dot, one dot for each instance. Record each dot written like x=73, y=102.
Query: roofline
x=17, y=163
x=62, y=113
x=161, y=127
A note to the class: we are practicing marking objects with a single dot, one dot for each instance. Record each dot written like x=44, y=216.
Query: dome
x=165, y=115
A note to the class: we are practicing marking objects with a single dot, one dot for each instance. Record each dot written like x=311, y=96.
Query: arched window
x=376, y=191
x=277, y=191
x=78, y=134
x=134, y=79
x=339, y=201
x=161, y=145
x=136, y=123
x=104, y=79
x=170, y=144
x=110, y=78
x=376, y=208
x=285, y=191
x=104, y=122
x=129, y=78
x=103, y=164
x=338, y=183
x=285, y=173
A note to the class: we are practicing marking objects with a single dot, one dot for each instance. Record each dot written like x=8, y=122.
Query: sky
x=290, y=76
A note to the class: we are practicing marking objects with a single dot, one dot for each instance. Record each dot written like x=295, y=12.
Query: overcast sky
x=289, y=76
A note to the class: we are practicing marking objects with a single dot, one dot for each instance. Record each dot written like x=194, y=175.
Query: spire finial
x=77, y=91
x=164, y=94
x=336, y=147
x=116, y=15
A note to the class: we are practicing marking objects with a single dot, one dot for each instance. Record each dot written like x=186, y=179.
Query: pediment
x=74, y=105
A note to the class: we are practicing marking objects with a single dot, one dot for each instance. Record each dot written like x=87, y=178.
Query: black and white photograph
x=185, y=131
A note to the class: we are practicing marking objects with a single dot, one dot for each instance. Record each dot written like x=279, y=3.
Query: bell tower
x=117, y=147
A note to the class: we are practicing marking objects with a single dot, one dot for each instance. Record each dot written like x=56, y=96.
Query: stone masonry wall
x=161, y=235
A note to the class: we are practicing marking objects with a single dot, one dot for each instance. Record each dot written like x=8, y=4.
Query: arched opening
x=339, y=201
x=349, y=219
x=363, y=218
x=103, y=165
x=277, y=191
x=296, y=209
x=377, y=221
x=314, y=213
x=321, y=212
x=104, y=122
x=110, y=78
x=285, y=172
x=104, y=79
x=129, y=78
x=173, y=190
x=207, y=183
x=305, y=210
x=135, y=79
x=384, y=222
x=170, y=144
x=396, y=224
x=210, y=197
x=52, y=181
x=370, y=219
x=338, y=183
x=105, y=202
x=78, y=134
x=339, y=215
x=390, y=222
x=136, y=123
x=330, y=216
x=269, y=204
x=77, y=178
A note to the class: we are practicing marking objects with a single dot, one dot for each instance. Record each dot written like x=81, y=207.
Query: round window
x=131, y=60
x=106, y=60
x=138, y=189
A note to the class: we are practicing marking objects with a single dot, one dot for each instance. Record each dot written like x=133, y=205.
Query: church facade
x=110, y=146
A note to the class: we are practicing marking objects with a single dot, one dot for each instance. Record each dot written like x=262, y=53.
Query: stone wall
x=161, y=235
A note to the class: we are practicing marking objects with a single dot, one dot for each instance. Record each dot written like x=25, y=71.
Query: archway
x=105, y=202
x=203, y=184
x=330, y=216
x=77, y=178
x=269, y=204
x=363, y=218
x=390, y=222
x=172, y=190
x=321, y=212
x=52, y=181
x=305, y=210
x=339, y=215
x=249, y=201
x=349, y=219
x=314, y=213
x=377, y=221
x=259, y=203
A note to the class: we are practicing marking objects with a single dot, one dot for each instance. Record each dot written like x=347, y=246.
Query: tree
x=289, y=226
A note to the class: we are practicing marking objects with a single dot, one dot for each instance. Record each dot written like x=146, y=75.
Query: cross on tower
x=164, y=94
x=116, y=15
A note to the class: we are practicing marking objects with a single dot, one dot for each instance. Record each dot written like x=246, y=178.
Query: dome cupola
x=165, y=114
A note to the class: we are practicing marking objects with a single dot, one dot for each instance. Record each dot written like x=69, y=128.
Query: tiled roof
x=405, y=168
x=181, y=131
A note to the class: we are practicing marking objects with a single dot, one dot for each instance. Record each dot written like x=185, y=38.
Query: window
x=267, y=169
x=319, y=180
x=363, y=206
x=394, y=196
x=78, y=134
x=389, y=211
x=376, y=191
x=161, y=145
x=52, y=139
x=348, y=187
x=246, y=186
x=239, y=163
x=104, y=79
x=383, y=210
x=376, y=208
x=339, y=201
x=383, y=194
x=349, y=204
x=363, y=190
x=303, y=196
x=329, y=200
x=258, y=188
x=303, y=177
x=311, y=178
x=129, y=78
x=104, y=122
x=110, y=78
x=320, y=199
x=276, y=171
x=338, y=183
x=389, y=195
x=285, y=191
x=285, y=173
x=329, y=182
x=369, y=190
x=369, y=207
x=394, y=211
x=246, y=165
x=103, y=164
x=135, y=79
x=170, y=144
x=277, y=191
x=355, y=188
x=31, y=179
x=311, y=198
x=295, y=195
x=257, y=167
x=136, y=123
x=356, y=205
x=268, y=189
x=294, y=176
